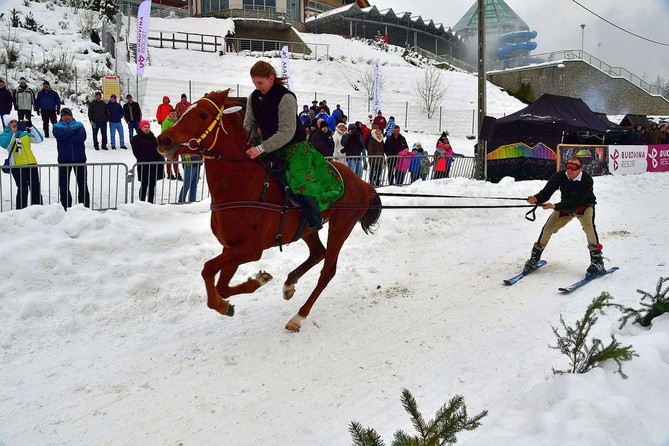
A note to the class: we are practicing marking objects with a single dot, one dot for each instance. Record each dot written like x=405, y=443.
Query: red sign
x=658, y=158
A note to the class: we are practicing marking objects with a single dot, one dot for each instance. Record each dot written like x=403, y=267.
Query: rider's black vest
x=265, y=109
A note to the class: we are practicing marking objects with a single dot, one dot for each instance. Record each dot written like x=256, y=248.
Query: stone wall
x=575, y=78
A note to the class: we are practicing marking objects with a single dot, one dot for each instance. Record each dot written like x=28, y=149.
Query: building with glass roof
x=500, y=20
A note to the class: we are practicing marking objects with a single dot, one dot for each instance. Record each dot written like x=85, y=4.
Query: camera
x=23, y=125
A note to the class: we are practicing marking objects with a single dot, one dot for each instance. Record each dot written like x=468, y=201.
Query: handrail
x=452, y=61
x=203, y=40
x=553, y=56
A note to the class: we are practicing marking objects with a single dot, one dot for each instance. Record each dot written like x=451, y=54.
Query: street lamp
x=582, y=37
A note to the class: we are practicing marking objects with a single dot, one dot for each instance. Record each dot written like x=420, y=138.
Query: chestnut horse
x=247, y=215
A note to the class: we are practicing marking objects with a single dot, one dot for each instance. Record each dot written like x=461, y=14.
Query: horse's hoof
x=231, y=310
x=292, y=326
x=295, y=323
x=288, y=291
x=262, y=277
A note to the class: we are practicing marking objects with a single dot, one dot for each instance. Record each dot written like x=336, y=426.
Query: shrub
x=10, y=43
x=60, y=64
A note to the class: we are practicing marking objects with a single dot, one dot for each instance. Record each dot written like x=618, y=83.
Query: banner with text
x=143, y=14
x=285, y=67
x=658, y=158
x=627, y=159
x=376, y=92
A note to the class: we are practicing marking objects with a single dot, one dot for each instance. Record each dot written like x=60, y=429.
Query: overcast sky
x=557, y=23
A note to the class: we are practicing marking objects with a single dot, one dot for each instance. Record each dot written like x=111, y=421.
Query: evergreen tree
x=31, y=24
x=108, y=9
x=14, y=18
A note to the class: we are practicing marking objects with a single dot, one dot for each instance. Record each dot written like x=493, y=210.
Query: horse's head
x=212, y=123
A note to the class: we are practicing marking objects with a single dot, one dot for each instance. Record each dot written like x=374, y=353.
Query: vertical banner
x=376, y=91
x=143, y=14
x=285, y=67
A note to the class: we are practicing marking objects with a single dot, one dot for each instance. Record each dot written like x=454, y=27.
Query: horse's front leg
x=227, y=264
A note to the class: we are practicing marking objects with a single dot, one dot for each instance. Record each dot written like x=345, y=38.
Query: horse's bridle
x=195, y=144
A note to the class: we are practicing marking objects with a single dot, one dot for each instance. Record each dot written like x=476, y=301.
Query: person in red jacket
x=164, y=110
x=182, y=105
x=380, y=121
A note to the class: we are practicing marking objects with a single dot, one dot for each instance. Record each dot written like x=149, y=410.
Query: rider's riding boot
x=311, y=211
x=596, y=260
x=537, y=249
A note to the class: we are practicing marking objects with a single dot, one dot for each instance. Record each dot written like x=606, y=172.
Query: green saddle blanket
x=309, y=173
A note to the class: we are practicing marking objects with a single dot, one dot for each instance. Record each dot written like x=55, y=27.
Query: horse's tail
x=370, y=219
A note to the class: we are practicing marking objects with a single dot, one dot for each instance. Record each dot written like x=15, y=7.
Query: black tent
x=632, y=121
x=524, y=144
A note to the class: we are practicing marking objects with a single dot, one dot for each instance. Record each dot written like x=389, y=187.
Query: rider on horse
x=271, y=114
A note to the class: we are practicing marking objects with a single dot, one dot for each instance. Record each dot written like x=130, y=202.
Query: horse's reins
x=195, y=144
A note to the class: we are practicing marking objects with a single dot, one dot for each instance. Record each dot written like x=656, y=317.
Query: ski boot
x=596, y=261
x=531, y=264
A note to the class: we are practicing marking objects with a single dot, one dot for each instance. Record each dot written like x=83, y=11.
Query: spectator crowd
x=374, y=148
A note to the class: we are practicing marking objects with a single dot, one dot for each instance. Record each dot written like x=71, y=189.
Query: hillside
x=334, y=78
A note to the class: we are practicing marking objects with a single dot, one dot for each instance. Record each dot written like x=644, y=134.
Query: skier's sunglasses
x=573, y=166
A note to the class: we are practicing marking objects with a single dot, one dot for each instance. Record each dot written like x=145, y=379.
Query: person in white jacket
x=340, y=130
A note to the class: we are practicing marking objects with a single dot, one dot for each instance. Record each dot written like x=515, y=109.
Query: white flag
x=376, y=92
x=143, y=14
x=285, y=67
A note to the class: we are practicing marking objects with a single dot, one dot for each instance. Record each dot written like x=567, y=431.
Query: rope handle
x=530, y=215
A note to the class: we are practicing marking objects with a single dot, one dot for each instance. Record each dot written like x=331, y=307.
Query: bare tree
x=365, y=80
x=430, y=90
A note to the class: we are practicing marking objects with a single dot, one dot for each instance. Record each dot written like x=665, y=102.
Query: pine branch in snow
x=449, y=420
x=585, y=354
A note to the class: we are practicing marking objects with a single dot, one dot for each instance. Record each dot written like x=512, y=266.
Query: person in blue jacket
x=70, y=137
x=47, y=105
x=389, y=127
x=115, y=126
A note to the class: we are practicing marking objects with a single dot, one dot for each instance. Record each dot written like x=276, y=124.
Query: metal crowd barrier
x=379, y=170
x=106, y=184
x=112, y=184
x=168, y=188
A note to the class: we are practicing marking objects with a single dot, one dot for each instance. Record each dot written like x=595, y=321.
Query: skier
x=577, y=200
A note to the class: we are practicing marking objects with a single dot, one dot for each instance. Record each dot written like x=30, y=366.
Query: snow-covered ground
x=105, y=337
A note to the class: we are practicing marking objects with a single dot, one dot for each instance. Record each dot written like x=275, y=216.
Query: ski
x=517, y=277
x=586, y=279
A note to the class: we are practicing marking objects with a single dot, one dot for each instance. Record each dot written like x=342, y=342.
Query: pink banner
x=658, y=158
